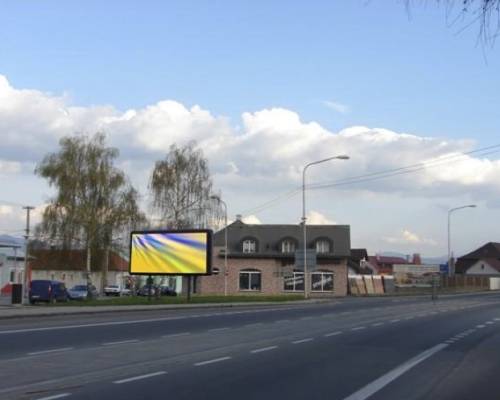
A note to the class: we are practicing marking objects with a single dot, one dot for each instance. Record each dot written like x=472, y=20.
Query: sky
x=265, y=87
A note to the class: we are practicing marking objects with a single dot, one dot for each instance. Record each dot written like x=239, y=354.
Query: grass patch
x=195, y=299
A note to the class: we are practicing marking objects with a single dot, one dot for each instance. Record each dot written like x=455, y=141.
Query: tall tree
x=93, y=198
x=180, y=186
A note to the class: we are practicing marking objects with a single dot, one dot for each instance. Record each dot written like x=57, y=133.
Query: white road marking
x=489, y=323
x=497, y=319
x=139, y=377
x=252, y=325
x=358, y=328
x=263, y=349
x=332, y=334
x=409, y=318
x=176, y=335
x=306, y=318
x=120, y=342
x=218, y=329
x=215, y=360
x=302, y=341
x=384, y=380
x=394, y=321
x=56, y=396
x=282, y=321
x=481, y=326
x=378, y=324
x=35, y=353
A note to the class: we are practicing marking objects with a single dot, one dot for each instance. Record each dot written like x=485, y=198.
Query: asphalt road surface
x=347, y=349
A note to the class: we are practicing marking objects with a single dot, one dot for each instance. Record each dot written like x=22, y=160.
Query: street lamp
x=341, y=157
x=450, y=271
x=215, y=197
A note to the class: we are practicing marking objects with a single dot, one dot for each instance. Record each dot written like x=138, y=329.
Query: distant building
x=384, y=264
x=358, y=263
x=69, y=266
x=483, y=261
x=261, y=260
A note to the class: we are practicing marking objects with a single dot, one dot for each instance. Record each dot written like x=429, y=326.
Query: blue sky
x=264, y=87
x=410, y=73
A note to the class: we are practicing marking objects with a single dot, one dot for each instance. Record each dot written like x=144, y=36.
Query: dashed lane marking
x=56, y=396
x=358, y=328
x=218, y=329
x=121, y=342
x=36, y=353
x=302, y=341
x=173, y=335
x=332, y=334
x=139, y=377
x=263, y=349
x=213, y=361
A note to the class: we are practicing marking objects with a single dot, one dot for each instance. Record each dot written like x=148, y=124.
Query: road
x=347, y=349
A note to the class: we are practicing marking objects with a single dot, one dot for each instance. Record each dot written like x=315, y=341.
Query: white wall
x=482, y=268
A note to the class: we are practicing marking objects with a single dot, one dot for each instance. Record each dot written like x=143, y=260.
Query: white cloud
x=336, y=106
x=411, y=238
x=9, y=167
x=316, y=218
x=252, y=220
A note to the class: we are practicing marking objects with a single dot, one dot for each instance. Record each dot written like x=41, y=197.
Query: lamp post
x=215, y=197
x=451, y=269
x=304, y=245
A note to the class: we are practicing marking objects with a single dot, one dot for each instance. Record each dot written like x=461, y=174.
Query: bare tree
x=180, y=186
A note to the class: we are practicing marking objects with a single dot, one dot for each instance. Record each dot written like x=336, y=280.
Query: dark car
x=167, y=291
x=47, y=291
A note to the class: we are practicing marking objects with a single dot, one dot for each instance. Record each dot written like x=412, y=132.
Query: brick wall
x=271, y=282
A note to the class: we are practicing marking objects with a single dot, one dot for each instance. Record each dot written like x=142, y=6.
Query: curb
x=82, y=310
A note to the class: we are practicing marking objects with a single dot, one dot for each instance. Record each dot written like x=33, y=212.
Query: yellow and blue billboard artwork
x=176, y=253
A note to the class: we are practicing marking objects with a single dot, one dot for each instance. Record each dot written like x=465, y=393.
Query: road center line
x=56, y=396
x=35, y=353
x=384, y=380
x=302, y=341
x=218, y=329
x=120, y=342
x=333, y=334
x=358, y=328
x=215, y=360
x=139, y=377
x=263, y=349
x=172, y=335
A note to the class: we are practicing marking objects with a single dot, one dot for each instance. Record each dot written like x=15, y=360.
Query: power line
x=376, y=176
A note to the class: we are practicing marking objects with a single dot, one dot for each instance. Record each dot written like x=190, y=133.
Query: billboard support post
x=189, y=289
x=150, y=286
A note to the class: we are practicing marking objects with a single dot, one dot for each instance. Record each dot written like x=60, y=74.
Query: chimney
x=417, y=260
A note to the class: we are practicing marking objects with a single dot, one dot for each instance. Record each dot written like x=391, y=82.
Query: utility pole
x=26, y=238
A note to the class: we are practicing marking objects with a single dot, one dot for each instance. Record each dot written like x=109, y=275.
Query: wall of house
x=482, y=268
x=72, y=278
x=271, y=280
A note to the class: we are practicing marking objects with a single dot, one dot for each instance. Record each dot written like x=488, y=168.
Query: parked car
x=48, y=291
x=116, y=290
x=80, y=292
x=144, y=291
x=167, y=291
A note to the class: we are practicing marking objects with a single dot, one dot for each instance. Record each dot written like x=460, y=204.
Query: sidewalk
x=20, y=311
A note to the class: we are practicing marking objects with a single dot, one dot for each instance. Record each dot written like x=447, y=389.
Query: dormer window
x=287, y=246
x=249, y=246
x=322, y=246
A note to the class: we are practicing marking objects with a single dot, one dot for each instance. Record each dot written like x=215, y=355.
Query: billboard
x=180, y=252
x=410, y=275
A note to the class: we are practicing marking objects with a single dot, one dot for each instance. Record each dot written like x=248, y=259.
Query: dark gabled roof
x=359, y=254
x=72, y=260
x=269, y=237
x=489, y=250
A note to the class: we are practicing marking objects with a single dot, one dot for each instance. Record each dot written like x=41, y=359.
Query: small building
x=484, y=261
x=11, y=262
x=69, y=266
x=358, y=263
x=261, y=260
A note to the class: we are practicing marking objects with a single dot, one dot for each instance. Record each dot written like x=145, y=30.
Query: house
x=483, y=261
x=358, y=263
x=261, y=260
x=69, y=266
x=11, y=262
x=384, y=264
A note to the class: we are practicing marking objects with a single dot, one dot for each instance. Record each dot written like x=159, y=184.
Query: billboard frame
x=209, y=234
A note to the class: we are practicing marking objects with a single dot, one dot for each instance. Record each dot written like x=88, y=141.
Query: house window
x=294, y=282
x=287, y=246
x=12, y=277
x=322, y=246
x=250, y=279
x=322, y=282
x=249, y=246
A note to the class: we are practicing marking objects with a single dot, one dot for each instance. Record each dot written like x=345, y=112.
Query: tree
x=485, y=13
x=180, y=185
x=93, y=198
